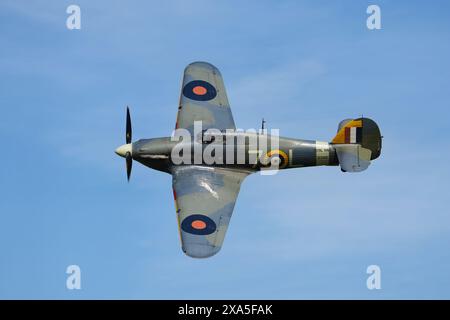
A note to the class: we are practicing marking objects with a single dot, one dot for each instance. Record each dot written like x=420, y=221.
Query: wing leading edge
x=204, y=200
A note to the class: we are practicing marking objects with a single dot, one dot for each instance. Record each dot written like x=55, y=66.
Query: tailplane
x=357, y=142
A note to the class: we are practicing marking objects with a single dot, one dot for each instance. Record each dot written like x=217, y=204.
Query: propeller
x=129, y=161
x=128, y=134
x=126, y=149
x=128, y=128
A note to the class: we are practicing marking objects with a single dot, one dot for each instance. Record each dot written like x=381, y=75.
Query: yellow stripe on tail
x=346, y=134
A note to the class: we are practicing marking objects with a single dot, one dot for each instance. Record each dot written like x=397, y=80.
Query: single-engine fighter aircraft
x=205, y=192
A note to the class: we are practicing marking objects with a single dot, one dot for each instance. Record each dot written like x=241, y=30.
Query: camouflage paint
x=205, y=195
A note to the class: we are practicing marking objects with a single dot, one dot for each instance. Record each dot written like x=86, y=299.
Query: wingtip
x=200, y=251
x=203, y=64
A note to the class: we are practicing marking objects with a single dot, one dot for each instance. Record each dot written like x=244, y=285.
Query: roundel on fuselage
x=281, y=155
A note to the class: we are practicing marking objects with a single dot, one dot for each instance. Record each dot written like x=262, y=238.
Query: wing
x=204, y=201
x=203, y=98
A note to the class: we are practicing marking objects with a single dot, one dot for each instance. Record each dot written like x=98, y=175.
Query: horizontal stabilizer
x=353, y=157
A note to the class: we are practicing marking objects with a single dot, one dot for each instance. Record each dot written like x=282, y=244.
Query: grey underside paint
x=211, y=190
x=206, y=191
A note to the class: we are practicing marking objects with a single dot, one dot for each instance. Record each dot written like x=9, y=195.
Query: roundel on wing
x=198, y=224
x=199, y=90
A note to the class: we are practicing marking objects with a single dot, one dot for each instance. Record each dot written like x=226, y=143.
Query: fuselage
x=241, y=151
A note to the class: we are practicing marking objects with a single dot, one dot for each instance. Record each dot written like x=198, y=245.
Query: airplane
x=205, y=193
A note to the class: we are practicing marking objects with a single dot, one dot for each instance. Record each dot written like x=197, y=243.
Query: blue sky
x=304, y=66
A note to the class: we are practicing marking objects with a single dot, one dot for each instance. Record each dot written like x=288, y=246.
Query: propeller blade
x=129, y=161
x=128, y=127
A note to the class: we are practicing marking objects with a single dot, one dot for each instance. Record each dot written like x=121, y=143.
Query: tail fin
x=357, y=142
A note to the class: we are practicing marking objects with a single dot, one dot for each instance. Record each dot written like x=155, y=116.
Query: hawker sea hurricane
x=209, y=164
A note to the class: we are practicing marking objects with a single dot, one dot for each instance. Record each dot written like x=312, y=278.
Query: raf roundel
x=199, y=90
x=198, y=224
x=281, y=155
